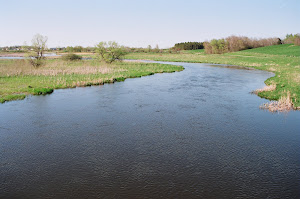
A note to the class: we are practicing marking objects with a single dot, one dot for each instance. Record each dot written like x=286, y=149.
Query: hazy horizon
x=136, y=23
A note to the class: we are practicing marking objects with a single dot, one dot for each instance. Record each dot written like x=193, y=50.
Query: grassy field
x=283, y=60
x=19, y=79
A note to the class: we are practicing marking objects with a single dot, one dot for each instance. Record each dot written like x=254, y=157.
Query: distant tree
x=297, y=41
x=189, y=45
x=237, y=43
x=78, y=49
x=25, y=46
x=156, y=48
x=110, y=51
x=149, y=48
x=38, y=44
x=70, y=49
x=292, y=39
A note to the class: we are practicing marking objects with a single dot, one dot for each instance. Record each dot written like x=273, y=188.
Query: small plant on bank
x=71, y=57
x=110, y=51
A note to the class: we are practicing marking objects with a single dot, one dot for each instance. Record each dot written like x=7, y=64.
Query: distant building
x=58, y=48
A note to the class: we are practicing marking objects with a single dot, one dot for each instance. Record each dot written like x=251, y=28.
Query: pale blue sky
x=139, y=23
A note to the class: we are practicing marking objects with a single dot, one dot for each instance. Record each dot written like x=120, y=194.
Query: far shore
x=12, y=54
x=23, y=54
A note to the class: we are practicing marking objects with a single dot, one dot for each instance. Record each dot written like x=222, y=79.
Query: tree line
x=292, y=39
x=237, y=43
x=189, y=46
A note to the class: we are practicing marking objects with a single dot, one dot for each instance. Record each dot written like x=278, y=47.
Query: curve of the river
x=193, y=134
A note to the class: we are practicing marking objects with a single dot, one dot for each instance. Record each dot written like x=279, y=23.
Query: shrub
x=297, y=41
x=110, y=52
x=71, y=57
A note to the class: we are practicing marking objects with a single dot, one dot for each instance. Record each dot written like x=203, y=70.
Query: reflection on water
x=193, y=134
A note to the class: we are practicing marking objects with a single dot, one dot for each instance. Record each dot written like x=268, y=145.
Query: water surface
x=193, y=134
x=16, y=57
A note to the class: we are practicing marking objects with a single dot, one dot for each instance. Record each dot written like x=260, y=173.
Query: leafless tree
x=38, y=43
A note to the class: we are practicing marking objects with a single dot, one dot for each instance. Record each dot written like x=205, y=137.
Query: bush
x=110, y=52
x=297, y=41
x=71, y=57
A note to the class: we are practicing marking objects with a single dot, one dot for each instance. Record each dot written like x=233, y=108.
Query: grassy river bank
x=283, y=60
x=19, y=79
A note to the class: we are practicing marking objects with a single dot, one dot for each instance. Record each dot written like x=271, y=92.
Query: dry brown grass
x=6, y=54
x=271, y=87
x=282, y=105
x=56, y=67
x=296, y=77
x=78, y=53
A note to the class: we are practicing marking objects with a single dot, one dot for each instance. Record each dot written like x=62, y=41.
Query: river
x=198, y=133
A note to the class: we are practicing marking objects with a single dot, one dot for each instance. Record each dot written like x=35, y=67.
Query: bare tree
x=156, y=49
x=149, y=48
x=38, y=43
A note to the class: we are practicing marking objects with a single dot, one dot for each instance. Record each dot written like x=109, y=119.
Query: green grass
x=283, y=60
x=18, y=79
x=12, y=97
x=199, y=51
x=289, y=50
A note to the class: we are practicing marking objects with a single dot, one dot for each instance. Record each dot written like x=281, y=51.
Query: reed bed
x=56, y=67
x=284, y=104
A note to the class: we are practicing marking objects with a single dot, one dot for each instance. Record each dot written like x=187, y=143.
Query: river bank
x=282, y=60
x=19, y=79
x=12, y=54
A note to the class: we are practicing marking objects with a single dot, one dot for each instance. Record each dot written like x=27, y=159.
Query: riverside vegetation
x=37, y=75
x=18, y=78
x=283, y=60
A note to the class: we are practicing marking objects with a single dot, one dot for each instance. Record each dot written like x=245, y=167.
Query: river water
x=15, y=57
x=198, y=133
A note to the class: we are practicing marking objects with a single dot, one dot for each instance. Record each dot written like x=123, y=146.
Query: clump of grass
x=12, y=98
x=71, y=57
x=271, y=87
x=282, y=105
x=42, y=91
